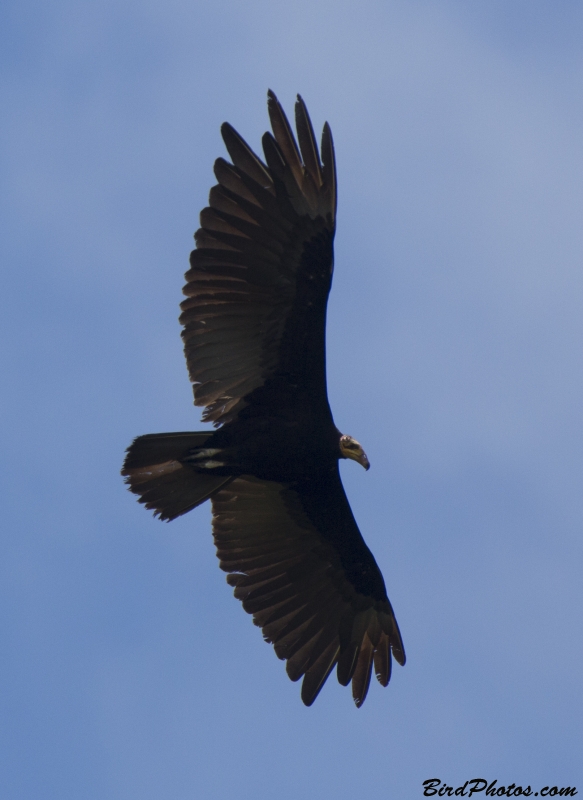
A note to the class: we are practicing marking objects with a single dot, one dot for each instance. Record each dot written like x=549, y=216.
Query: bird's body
x=272, y=448
x=254, y=332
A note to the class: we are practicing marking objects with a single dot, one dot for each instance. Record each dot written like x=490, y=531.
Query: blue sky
x=455, y=348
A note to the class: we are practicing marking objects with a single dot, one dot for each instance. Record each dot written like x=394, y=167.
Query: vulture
x=254, y=324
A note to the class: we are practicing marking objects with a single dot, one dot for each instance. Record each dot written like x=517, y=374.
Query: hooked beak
x=363, y=460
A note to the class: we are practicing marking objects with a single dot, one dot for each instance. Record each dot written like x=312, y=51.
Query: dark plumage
x=254, y=339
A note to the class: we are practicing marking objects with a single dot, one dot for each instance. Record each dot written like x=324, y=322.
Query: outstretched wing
x=300, y=565
x=261, y=272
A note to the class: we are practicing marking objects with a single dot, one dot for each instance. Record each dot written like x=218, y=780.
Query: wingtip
x=327, y=147
x=226, y=130
x=309, y=700
x=397, y=647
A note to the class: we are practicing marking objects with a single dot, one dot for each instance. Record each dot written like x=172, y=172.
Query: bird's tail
x=154, y=470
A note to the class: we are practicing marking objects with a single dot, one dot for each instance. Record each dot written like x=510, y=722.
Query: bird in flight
x=254, y=339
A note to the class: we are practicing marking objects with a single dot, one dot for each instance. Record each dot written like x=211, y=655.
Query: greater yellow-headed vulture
x=254, y=338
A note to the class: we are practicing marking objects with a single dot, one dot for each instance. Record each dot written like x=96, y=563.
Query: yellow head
x=350, y=448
